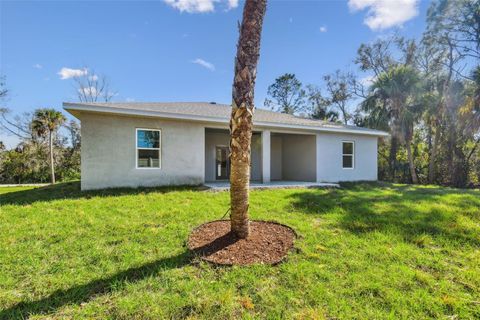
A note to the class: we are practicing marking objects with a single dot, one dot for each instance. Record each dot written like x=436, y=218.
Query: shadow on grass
x=71, y=190
x=85, y=292
x=410, y=211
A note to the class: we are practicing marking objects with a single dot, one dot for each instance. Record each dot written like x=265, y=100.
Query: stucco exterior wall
x=329, y=158
x=256, y=157
x=276, y=158
x=109, y=152
x=188, y=153
x=215, y=138
x=298, y=157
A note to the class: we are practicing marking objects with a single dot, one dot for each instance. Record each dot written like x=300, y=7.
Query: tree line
x=49, y=148
x=425, y=93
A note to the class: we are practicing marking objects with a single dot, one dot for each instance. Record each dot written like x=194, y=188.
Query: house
x=151, y=144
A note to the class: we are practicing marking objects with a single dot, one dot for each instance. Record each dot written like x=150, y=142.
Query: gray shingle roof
x=213, y=111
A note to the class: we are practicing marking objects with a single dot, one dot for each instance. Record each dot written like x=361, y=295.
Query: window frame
x=159, y=149
x=348, y=154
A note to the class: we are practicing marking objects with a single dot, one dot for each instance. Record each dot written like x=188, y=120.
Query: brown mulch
x=268, y=243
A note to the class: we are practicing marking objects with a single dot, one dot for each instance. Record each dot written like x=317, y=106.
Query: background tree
x=397, y=91
x=3, y=88
x=91, y=87
x=454, y=30
x=319, y=106
x=458, y=22
x=377, y=56
x=73, y=128
x=476, y=98
x=248, y=51
x=339, y=93
x=17, y=125
x=47, y=122
x=286, y=95
x=26, y=163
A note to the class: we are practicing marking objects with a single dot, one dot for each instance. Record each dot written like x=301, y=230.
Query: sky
x=181, y=50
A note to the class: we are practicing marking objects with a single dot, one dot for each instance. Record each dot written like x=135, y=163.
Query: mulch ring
x=268, y=243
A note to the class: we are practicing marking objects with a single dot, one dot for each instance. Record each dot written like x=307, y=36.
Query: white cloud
x=37, y=66
x=323, y=29
x=232, y=4
x=130, y=99
x=67, y=73
x=204, y=64
x=384, y=14
x=199, y=6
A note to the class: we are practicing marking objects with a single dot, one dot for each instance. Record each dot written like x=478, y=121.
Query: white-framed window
x=148, y=148
x=348, y=154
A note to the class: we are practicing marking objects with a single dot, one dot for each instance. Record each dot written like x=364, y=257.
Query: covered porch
x=277, y=159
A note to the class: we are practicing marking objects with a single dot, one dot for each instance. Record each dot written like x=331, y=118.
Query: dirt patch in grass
x=268, y=243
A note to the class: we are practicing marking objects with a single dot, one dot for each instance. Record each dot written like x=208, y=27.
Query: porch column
x=266, y=156
x=318, y=143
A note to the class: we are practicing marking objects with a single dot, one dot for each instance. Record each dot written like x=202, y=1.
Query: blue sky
x=182, y=50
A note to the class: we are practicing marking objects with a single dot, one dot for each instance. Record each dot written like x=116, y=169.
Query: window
x=348, y=154
x=148, y=148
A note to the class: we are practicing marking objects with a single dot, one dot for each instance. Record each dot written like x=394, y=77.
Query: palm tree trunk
x=52, y=165
x=393, y=157
x=433, y=156
x=248, y=50
x=411, y=164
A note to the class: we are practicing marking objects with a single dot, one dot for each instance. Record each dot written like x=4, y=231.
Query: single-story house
x=186, y=143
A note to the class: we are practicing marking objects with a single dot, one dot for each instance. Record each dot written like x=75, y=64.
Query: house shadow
x=71, y=190
x=409, y=211
x=85, y=292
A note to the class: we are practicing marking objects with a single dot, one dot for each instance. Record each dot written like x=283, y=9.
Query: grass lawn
x=365, y=251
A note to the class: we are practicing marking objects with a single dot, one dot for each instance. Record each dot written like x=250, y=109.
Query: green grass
x=366, y=251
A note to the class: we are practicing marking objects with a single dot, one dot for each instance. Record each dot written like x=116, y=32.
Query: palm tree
x=248, y=50
x=476, y=97
x=47, y=121
x=397, y=91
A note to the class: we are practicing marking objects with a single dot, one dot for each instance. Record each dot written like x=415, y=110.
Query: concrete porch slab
x=225, y=185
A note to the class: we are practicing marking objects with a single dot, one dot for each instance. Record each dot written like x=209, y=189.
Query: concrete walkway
x=25, y=185
x=225, y=185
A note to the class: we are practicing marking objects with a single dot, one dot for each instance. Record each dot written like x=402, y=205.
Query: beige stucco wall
x=215, y=138
x=256, y=157
x=329, y=158
x=109, y=153
x=298, y=157
x=188, y=154
x=293, y=157
x=276, y=158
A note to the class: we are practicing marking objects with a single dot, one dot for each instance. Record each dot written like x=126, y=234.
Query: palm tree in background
x=46, y=122
x=248, y=51
x=476, y=98
x=396, y=93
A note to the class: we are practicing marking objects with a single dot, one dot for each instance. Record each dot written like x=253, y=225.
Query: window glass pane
x=347, y=148
x=148, y=158
x=148, y=139
x=348, y=161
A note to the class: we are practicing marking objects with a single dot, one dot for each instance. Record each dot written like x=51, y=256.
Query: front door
x=222, y=163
